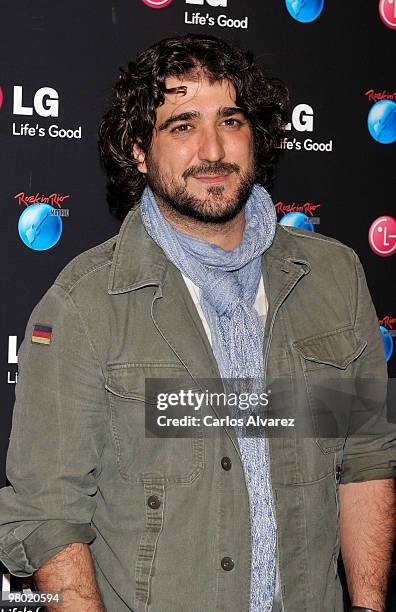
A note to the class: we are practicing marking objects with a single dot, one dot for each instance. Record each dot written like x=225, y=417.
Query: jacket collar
x=286, y=251
x=138, y=261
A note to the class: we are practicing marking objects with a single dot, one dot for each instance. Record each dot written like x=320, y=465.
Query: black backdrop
x=338, y=66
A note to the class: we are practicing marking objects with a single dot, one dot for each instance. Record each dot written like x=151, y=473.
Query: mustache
x=216, y=169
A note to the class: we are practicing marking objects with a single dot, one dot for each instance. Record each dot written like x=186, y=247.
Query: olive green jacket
x=160, y=515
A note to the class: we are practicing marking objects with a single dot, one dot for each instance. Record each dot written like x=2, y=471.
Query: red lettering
x=374, y=96
x=307, y=208
x=387, y=322
x=21, y=198
x=55, y=199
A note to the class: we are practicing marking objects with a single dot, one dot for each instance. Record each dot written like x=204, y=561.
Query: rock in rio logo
x=381, y=121
x=387, y=332
x=295, y=215
x=157, y=4
x=304, y=11
x=387, y=11
x=382, y=236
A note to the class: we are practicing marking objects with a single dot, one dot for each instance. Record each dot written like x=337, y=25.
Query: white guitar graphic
x=33, y=231
x=297, y=5
x=382, y=123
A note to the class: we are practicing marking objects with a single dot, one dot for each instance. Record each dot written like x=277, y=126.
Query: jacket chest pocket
x=328, y=376
x=141, y=458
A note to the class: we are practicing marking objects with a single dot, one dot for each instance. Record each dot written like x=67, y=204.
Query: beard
x=216, y=207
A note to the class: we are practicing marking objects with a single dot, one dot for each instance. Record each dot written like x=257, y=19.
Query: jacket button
x=226, y=463
x=154, y=502
x=227, y=564
x=338, y=473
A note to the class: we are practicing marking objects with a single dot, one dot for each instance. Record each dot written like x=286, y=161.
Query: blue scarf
x=228, y=283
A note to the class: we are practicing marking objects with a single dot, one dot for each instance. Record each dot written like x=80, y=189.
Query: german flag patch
x=41, y=334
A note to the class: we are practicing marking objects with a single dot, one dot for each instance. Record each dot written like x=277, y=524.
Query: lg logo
x=382, y=236
x=45, y=102
x=12, y=376
x=210, y=2
x=12, y=349
x=158, y=4
x=302, y=118
x=387, y=11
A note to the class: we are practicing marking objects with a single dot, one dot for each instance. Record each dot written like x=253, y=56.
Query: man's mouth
x=210, y=179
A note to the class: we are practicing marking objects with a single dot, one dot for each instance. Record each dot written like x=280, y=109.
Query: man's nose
x=211, y=145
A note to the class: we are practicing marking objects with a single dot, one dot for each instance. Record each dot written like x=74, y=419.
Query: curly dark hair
x=140, y=90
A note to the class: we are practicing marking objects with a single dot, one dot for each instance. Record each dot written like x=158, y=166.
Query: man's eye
x=234, y=122
x=181, y=128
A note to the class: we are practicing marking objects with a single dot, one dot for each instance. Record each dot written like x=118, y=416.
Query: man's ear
x=140, y=156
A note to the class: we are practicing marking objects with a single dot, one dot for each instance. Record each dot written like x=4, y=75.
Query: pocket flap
x=338, y=348
x=128, y=380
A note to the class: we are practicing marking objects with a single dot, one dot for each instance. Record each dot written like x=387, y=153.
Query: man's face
x=201, y=161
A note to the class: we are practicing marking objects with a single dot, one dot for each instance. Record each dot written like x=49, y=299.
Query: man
x=200, y=283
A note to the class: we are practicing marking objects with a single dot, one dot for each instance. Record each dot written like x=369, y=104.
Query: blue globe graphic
x=38, y=228
x=388, y=343
x=297, y=219
x=305, y=11
x=381, y=121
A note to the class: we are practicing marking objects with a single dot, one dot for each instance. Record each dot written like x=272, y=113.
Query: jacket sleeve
x=370, y=448
x=56, y=440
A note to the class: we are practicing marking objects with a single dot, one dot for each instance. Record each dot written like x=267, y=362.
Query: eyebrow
x=188, y=116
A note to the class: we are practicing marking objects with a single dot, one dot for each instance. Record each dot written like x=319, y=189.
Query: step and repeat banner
x=59, y=61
